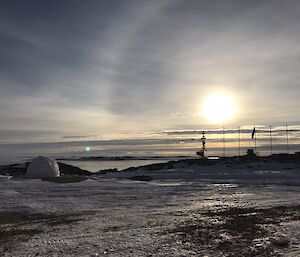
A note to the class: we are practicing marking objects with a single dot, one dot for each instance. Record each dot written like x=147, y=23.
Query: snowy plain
x=110, y=215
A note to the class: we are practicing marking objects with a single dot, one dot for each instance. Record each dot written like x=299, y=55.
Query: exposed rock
x=105, y=171
x=280, y=241
x=65, y=169
x=66, y=179
x=141, y=178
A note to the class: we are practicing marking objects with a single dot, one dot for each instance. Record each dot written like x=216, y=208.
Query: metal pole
x=271, y=143
x=255, y=142
x=203, y=143
x=239, y=141
x=223, y=142
x=287, y=139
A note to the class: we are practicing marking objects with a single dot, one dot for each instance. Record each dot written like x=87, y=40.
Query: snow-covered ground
x=111, y=216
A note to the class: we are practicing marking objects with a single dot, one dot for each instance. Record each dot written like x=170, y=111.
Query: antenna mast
x=203, y=149
x=203, y=140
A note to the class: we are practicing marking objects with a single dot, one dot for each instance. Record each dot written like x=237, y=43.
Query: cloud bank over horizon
x=74, y=68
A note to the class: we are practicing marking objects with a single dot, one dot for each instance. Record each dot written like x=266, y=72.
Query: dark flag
x=253, y=133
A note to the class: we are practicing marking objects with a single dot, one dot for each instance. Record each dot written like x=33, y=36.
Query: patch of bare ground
x=21, y=226
x=235, y=232
x=66, y=179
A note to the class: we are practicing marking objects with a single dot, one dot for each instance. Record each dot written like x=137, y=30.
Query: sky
x=73, y=69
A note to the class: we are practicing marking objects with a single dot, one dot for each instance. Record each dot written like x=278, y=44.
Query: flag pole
x=255, y=142
x=253, y=136
x=287, y=139
x=223, y=142
x=239, y=141
x=271, y=142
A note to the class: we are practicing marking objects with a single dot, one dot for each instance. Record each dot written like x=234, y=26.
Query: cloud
x=78, y=137
x=231, y=131
x=108, y=67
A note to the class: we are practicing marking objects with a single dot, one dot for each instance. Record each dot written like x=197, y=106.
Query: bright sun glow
x=218, y=108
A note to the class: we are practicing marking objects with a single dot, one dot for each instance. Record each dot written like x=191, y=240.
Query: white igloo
x=43, y=167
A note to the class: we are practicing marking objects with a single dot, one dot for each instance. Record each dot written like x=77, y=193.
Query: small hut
x=43, y=167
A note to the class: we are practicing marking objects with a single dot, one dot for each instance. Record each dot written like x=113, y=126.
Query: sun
x=218, y=108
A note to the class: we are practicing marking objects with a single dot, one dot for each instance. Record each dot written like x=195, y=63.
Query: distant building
x=251, y=153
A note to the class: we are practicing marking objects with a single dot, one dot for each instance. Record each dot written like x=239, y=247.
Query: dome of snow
x=43, y=167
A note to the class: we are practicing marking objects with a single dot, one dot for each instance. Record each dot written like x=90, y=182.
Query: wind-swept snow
x=169, y=216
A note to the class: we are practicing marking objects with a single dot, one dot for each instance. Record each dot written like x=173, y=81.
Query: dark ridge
x=120, y=158
x=283, y=158
x=105, y=171
x=65, y=179
x=141, y=178
x=65, y=169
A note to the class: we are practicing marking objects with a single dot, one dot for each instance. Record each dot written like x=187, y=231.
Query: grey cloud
x=145, y=62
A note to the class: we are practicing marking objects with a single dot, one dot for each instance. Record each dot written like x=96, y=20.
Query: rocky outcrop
x=20, y=170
